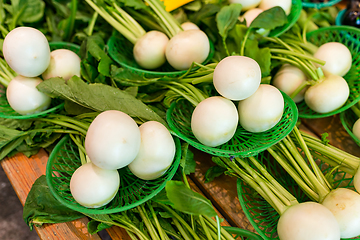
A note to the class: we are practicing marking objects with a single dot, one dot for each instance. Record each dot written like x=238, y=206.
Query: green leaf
x=227, y=18
x=95, y=226
x=219, y=162
x=261, y=55
x=188, y=201
x=187, y=161
x=213, y=172
x=75, y=109
x=98, y=97
x=42, y=207
x=7, y=135
x=270, y=19
x=33, y=12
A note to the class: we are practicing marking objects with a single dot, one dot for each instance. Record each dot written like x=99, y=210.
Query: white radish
x=356, y=129
x=288, y=79
x=27, y=51
x=327, y=95
x=112, y=140
x=157, y=151
x=246, y=4
x=214, y=121
x=356, y=180
x=63, y=63
x=187, y=47
x=24, y=97
x=237, y=77
x=149, y=50
x=284, y=4
x=189, y=26
x=308, y=220
x=262, y=110
x=345, y=205
x=94, y=187
x=337, y=58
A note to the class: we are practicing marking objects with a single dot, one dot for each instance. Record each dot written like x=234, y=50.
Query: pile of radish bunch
x=114, y=141
x=259, y=106
x=27, y=51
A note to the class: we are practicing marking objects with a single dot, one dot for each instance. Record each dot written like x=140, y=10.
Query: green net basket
x=337, y=34
x=121, y=50
x=56, y=104
x=64, y=160
x=242, y=234
x=318, y=5
x=291, y=19
x=260, y=214
x=348, y=119
x=243, y=143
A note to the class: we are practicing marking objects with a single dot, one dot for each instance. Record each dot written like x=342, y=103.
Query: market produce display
x=122, y=93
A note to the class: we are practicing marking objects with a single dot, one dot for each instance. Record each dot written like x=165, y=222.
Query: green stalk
x=204, y=79
x=301, y=181
x=181, y=229
x=127, y=32
x=242, y=48
x=356, y=110
x=80, y=145
x=157, y=223
x=91, y=26
x=148, y=224
x=269, y=177
x=313, y=164
x=181, y=220
x=206, y=230
x=337, y=155
x=70, y=120
x=303, y=56
x=166, y=18
x=64, y=124
x=280, y=206
x=225, y=233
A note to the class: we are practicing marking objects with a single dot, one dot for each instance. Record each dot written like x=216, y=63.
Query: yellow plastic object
x=173, y=4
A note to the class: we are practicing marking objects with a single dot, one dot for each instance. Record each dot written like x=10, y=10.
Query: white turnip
x=189, y=25
x=112, y=140
x=64, y=63
x=149, y=50
x=237, y=77
x=308, y=220
x=27, y=51
x=337, y=58
x=327, y=95
x=24, y=97
x=345, y=205
x=214, y=121
x=94, y=187
x=156, y=153
x=288, y=79
x=187, y=47
x=262, y=110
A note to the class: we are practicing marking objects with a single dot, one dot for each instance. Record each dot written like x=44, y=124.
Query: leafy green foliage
x=98, y=97
x=227, y=18
x=187, y=161
x=188, y=201
x=213, y=172
x=42, y=207
x=270, y=19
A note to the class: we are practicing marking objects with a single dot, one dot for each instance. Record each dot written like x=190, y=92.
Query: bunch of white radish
x=179, y=47
x=260, y=106
x=343, y=203
x=323, y=88
x=114, y=141
x=332, y=91
x=26, y=50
